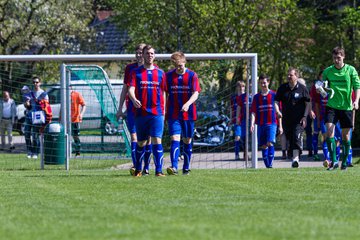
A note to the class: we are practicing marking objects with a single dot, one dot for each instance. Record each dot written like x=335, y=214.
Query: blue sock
x=158, y=154
x=349, y=159
x=271, y=154
x=309, y=138
x=237, y=148
x=139, y=157
x=337, y=153
x=147, y=157
x=133, y=152
x=326, y=151
x=174, y=153
x=265, y=156
x=187, y=156
x=315, y=142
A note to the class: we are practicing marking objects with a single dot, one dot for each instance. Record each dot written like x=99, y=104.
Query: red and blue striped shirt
x=233, y=106
x=150, y=85
x=127, y=79
x=180, y=89
x=264, y=108
x=241, y=102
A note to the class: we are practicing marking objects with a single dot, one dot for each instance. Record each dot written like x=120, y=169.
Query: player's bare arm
x=192, y=99
x=277, y=109
x=356, y=102
x=124, y=91
x=136, y=102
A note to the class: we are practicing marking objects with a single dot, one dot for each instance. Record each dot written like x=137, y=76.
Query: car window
x=54, y=96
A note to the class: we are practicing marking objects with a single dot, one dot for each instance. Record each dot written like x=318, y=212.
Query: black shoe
x=333, y=166
x=295, y=164
x=310, y=154
x=289, y=154
x=186, y=171
x=350, y=165
x=145, y=172
x=343, y=166
x=12, y=147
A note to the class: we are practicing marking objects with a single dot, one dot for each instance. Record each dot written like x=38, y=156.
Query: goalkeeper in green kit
x=341, y=79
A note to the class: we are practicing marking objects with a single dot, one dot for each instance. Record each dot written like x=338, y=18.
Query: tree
x=37, y=27
x=277, y=30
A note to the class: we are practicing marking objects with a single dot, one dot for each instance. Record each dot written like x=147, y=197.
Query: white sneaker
x=34, y=156
x=29, y=156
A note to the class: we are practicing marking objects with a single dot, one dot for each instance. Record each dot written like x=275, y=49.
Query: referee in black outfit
x=295, y=100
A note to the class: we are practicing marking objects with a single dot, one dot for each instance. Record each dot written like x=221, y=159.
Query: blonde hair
x=178, y=56
x=140, y=46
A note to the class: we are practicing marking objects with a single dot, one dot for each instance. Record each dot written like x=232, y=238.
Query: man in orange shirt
x=77, y=102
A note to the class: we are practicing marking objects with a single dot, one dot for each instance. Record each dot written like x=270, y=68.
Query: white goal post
x=252, y=57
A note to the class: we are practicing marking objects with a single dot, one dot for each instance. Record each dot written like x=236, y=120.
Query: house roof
x=110, y=39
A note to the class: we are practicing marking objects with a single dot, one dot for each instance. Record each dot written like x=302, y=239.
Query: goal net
x=104, y=140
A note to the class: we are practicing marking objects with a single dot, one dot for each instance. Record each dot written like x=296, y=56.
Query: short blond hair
x=178, y=56
x=140, y=46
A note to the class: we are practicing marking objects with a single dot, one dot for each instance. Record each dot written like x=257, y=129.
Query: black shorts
x=75, y=129
x=345, y=117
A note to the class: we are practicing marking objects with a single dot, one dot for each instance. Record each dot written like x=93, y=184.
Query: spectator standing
x=183, y=90
x=35, y=101
x=78, y=108
x=295, y=101
x=147, y=90
x=7, y=119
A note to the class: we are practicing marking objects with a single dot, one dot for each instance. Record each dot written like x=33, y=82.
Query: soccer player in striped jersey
x=263, y=114
x=241, y=101
x=124, y=97
x=319, y=105
x=183, y=90
x=240, y=89
x=147, y=90
x=342, y=79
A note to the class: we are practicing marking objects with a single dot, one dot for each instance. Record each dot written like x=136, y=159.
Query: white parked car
x=93, y=117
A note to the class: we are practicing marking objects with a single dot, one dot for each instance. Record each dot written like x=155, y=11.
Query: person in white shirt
x=7, y=119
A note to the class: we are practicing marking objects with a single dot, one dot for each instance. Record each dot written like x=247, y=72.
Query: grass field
x=302, y=203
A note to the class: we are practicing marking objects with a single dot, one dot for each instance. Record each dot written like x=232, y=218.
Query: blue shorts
x=322, y=126
x=237, y=130
x=130, y=121
x=149, y=126
x=185, y=128
x=243, y=130
x=266, y=133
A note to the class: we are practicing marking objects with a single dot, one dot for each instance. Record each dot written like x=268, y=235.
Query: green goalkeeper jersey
x=342, y=81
